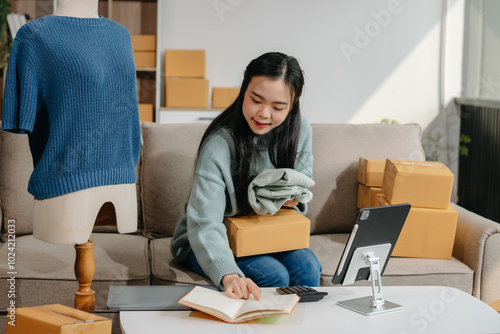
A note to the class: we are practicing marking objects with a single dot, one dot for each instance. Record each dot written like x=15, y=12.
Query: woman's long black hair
x=284, y=142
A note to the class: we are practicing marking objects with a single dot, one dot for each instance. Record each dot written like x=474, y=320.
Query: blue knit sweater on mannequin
x=71, y=86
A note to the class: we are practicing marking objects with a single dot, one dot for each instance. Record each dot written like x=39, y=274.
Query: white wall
x=364, y=60
x=482, y=46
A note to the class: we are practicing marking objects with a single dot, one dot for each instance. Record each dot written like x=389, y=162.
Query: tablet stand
x=374, y=304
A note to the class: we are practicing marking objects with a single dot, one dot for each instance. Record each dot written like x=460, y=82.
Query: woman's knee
x=265, y=271
x=304, y=267
x=279, y=277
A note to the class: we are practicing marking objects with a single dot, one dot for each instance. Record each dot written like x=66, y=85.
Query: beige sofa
x=45, y=271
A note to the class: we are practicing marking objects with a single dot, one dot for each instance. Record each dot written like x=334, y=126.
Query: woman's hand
x=290, y=204
x=238, y=287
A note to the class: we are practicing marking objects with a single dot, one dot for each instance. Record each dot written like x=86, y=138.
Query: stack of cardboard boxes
x=186, y=86
x=144, y=47
x=370, y=177
x=429, y=230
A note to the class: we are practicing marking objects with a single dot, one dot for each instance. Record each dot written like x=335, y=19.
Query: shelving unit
x=187, y=115
x=173, y=115
x=140, y=18
x=126, y=13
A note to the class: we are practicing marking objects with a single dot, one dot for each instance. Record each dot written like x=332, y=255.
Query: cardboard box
x=145, y=58
x=423, y=184
x=146, y=112
x=185, y=63
x=367, y=196
x=144, y=42
x=263, y=234
x=427, y=233
x=223, y=97
x=186, y=93
x=57, y=319
x=371, y=172
x=496, y=305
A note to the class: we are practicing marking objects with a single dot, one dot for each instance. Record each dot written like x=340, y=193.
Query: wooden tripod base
x=84, y=272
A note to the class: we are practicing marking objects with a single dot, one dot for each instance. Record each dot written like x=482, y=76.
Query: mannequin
x=69, y=219
x=72, y=181
x=77, y=8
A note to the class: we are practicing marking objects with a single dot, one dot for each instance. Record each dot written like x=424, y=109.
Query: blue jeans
x=297, y=267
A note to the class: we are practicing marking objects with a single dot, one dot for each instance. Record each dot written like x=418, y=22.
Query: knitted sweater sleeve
x=212, y=195
x=304, y=162
x=22, y=85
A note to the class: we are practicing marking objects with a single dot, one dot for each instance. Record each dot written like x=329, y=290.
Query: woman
x=262, y=129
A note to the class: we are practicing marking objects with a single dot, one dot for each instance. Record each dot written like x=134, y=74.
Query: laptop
x=148, y=297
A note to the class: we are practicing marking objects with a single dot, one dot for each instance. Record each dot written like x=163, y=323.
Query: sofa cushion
x=336, y=149
x=166, y=271
x=167, y=170
x=399, y=271
x=16, y=166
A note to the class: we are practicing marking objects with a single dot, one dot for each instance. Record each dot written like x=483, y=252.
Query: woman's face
x=266, y=104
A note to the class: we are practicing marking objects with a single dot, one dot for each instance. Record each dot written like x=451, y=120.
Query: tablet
x=376, y=230
x=148, y=297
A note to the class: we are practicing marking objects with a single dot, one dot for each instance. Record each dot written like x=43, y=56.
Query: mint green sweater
x=213, y=198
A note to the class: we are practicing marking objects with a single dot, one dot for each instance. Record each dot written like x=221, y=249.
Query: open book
x=221, y=306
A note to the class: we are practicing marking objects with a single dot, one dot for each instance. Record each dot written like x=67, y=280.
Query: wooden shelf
x=146, y=69
x=190, y=109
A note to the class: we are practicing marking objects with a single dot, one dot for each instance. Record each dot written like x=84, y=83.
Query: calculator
x=305, y=293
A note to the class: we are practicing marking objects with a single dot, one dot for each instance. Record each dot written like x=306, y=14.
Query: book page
x=206, y=298
x=274, y=304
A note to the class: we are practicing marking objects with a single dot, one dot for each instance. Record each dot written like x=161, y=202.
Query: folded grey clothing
x=269, y=190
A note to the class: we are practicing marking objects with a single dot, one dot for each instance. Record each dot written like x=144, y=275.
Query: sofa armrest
x=477, y=244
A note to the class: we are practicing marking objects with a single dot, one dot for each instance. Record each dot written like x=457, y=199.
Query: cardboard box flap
x=282, y=217
x=60, y=315
x=70, y=314
x=371, y=171
x=408, y=167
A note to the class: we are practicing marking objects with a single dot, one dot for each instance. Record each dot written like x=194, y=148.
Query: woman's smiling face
x=266, y=104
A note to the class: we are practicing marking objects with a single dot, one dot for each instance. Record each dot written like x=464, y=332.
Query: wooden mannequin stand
x=84, y=272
